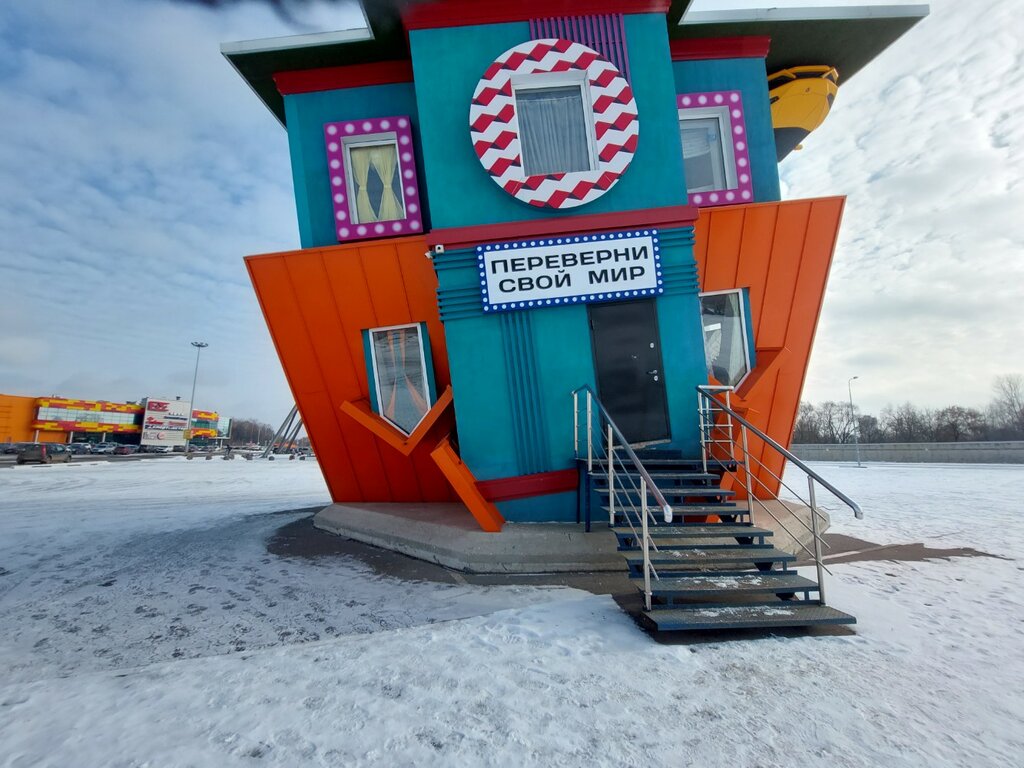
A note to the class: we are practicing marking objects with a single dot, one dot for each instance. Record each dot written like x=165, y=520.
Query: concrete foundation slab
x=446, y=534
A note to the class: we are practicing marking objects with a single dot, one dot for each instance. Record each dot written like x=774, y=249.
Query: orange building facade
x=506, y=204
x=65, y=420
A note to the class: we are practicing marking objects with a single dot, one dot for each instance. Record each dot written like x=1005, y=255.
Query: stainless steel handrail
x=591, y=397
x=787, y=454
x=706, y=405
x=612, y=455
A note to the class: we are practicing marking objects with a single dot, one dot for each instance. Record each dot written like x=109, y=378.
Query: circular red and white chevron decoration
x=494, y=126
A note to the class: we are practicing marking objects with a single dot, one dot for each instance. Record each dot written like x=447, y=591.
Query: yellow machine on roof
x=800, y=99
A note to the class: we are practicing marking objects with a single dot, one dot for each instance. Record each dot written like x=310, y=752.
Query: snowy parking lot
x=148, y=619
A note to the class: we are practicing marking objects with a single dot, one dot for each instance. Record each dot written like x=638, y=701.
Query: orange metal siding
x=317, y=302
x=16, y=416
x=781, y=252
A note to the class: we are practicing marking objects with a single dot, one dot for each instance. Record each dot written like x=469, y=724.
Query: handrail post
x=590, y=435
x=647, y=553
x=817, y=540
x=611, y=479
x=746, y=474
x=703, y=437
x=576, y=424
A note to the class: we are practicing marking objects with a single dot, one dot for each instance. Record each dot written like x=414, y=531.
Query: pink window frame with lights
x=729, y=105
x=397, y=130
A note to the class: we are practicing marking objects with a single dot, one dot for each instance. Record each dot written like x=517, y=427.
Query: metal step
x=697, y=557
x=775, y=582
x=696, y=490
x=704, y=508
x=683, y=543
x=698, y=531
x=745, y=617
x=658, y=475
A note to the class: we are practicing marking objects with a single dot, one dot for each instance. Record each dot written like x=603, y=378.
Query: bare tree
x=808, y=425
x=907, y=423
x=1007, y=409
x=955, y=423
x=837, y=422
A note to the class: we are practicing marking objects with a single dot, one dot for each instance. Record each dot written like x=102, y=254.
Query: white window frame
x=348, y=143
x=376, y=375
x=743, y=326
x=721, y=114
x=533, y=81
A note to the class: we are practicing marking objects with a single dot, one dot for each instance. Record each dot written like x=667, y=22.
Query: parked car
x=79, y=448
x=104, y=447
x=44, y=453
x=125, y=450
x=14, y=447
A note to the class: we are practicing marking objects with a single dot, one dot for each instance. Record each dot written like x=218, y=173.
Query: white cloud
x=138, y=170
x=133, y=158
x=925, y=297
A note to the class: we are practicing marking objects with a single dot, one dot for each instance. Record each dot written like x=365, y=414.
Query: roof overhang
x=845, y=37
x=381, y=38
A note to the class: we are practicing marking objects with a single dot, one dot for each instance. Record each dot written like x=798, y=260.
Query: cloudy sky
x=137, y=169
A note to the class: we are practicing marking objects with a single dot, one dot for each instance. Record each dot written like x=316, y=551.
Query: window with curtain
x=706, y=156
x=553, y=130
x=376, y=190
x=726, y=347
x=400, y=375
x=703, y=153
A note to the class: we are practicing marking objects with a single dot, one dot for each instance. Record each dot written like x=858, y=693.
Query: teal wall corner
x=306, y=114
x=749, y=78
x=554, y=508
x=448, y=64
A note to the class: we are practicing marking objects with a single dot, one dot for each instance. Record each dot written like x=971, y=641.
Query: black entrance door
x=627, y=356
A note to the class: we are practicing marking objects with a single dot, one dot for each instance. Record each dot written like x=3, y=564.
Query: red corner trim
x=460, y=237
x=463, y=13
x=526, y=486
x=747, y=47
x=333, y=78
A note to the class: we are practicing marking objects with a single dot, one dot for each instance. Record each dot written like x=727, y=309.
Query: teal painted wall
x=747, y=76
x=513, y=373
x=448, y=64
x=306, y=114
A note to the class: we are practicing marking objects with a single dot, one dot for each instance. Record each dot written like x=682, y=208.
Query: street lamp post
x=199, y=345
x=853, y=418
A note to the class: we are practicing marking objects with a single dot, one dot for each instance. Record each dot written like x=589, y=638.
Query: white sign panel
x=572, y=269
x=165, y=421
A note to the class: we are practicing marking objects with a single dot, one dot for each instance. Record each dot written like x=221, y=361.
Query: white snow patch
x=929, y=678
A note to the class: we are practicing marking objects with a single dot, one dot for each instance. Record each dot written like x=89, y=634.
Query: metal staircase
x=692, y=550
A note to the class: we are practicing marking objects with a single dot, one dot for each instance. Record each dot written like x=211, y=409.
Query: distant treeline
x=255, y=432
x=835, y=422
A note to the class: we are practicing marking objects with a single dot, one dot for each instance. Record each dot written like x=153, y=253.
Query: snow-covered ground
x=143, y=622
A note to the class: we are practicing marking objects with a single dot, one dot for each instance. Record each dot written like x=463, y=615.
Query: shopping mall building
x=63, y=420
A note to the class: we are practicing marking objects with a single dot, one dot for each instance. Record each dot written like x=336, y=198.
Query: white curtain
x=702, y=154
x=385, y=163
x=552, y=130
x=361, y=174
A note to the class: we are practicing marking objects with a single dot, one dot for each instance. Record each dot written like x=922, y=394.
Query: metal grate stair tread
x=725, y=508
x=658, y=475
x=689, y=491
x=697, y=530
x=727, y=584
x=695, y=556
x=746, y=617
